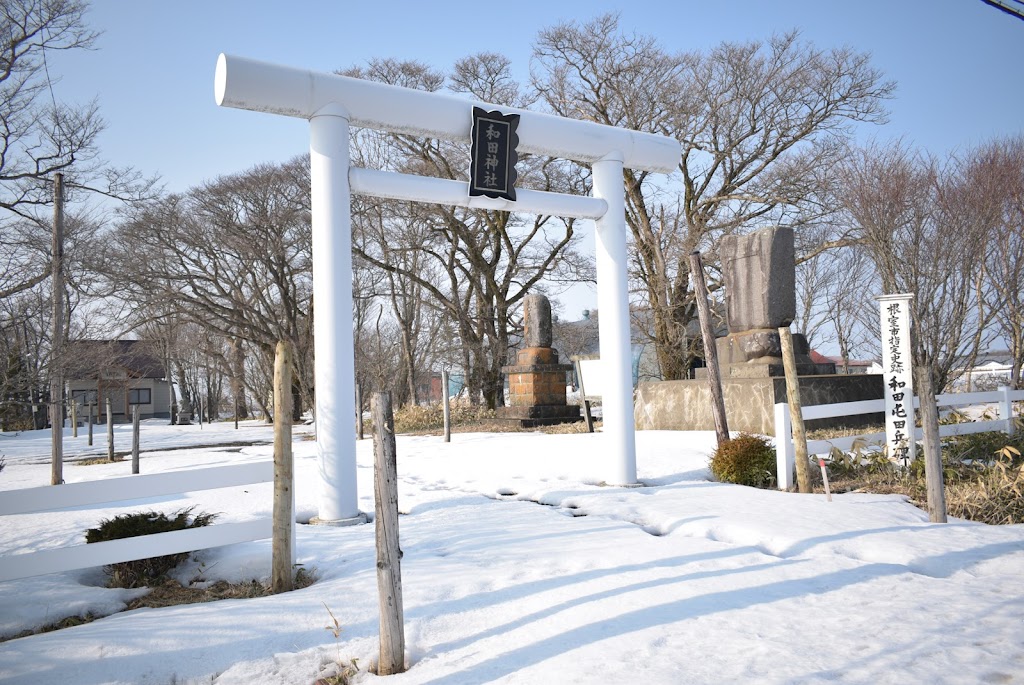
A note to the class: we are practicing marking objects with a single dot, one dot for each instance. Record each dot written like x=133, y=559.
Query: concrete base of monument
x=339, y=523
x=750, y=402
x=540, y=415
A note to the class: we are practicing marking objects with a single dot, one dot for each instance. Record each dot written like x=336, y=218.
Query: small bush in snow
x=143, y=572
x=745, y=460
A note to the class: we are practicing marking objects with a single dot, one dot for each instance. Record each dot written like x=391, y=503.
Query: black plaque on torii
x=492, y=170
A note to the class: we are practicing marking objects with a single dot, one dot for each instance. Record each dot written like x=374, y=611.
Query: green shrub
x=745, y=460
x=143, y=572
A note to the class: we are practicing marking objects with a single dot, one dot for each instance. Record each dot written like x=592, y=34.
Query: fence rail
x=785, y=453
x=111, y=491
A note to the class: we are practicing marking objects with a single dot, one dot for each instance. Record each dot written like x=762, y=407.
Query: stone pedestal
x=536, y=382
x=758, y=354
x=536, y=385
x=750, y=402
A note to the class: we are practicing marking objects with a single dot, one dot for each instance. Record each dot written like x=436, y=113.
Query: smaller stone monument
x=537, y=381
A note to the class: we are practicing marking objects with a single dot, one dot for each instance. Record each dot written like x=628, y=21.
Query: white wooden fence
x=785, y=454
x=55, y=497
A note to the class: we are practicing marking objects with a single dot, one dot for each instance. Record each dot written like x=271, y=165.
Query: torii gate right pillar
x=613, y=323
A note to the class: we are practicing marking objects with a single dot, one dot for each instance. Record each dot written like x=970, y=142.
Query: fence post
x=283, y=544
x=1006, y=409
x=389, y=554
x=110, y=432
x=446, y=405
x=92, y=413
x=135, y=439
x=74, y=418
x=785, y=459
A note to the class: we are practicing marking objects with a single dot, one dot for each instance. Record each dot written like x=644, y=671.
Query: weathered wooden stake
x=57, y=339
x=803, y=478
x=359, y=412
x=934, y=479
x=110, y=432
x=389, y=554
x=284, y=490
x=135, y=439
x=74, y=418
x=700, y=291
x=824, y=478
x=447, y=406
x=92, y=419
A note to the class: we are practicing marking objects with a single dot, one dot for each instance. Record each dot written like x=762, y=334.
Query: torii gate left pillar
x=334, y=375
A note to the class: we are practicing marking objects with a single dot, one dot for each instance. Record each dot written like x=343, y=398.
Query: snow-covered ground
x=519, y=568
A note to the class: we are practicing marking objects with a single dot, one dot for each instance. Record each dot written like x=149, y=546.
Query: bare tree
x=481, y=263
x=759, y=124
x=231, y=256
x=1003, y=162
x=923, y=229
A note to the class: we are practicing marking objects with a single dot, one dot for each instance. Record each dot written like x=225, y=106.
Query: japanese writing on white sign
x=897, y=373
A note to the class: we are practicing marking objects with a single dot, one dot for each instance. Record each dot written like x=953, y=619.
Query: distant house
x=128, y=372
x=854, y=367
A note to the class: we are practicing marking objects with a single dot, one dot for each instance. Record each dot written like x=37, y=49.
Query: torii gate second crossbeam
x=331, y=103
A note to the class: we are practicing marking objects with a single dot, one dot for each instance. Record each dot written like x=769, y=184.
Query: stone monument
x=537, y=381
x=760, y=284
x=760, y=298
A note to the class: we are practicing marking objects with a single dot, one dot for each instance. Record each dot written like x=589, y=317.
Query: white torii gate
x=332, y=103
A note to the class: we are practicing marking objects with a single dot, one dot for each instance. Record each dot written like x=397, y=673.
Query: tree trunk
x=932, y=446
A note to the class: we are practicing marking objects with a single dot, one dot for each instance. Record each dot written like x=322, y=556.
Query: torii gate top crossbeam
x=263, y=87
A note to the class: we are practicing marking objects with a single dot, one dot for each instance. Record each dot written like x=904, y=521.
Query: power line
x=1011, y=7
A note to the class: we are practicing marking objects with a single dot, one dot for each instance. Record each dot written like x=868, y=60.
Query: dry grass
x=465, y=418
x=983, y=475
x=173, y=593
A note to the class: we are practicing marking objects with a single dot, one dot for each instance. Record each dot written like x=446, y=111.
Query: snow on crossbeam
x=251, y=84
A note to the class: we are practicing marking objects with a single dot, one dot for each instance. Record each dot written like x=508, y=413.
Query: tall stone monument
x=760, y=285
x=760, y=298
x=536, y=381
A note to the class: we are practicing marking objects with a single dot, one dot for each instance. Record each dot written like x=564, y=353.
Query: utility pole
x=56, y=370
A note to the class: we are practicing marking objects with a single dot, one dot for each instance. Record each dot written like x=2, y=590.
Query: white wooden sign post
x=331, y=103
x=898, y=376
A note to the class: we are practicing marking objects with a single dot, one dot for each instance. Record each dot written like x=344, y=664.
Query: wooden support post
x=359, y=412
x=135, y=439
x=283, y=543
x=700, y=291
x=57, y=339
x=389, y=554
x=803, y=478
x=110, y=432
x=92, y=420
x=588, y=417
x=446, y=405
x=74, y=418
x=934, y=478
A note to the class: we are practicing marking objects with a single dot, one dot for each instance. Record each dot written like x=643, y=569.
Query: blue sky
x=957, y=63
